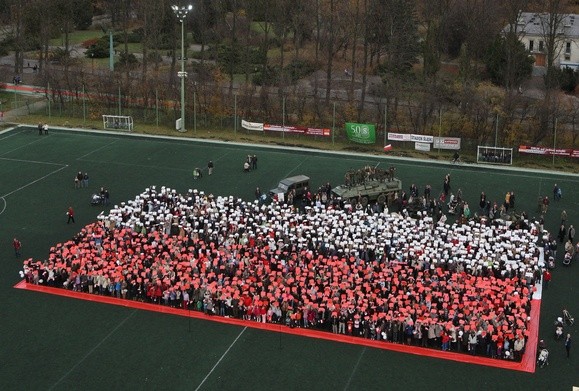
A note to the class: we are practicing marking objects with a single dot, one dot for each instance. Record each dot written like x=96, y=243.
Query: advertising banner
x=252, y=125
x=298, y=130
x=574, y=153
x=398, y=136
x=361, y=133
x=422, y=147
x=421, y=138
x=446, y=143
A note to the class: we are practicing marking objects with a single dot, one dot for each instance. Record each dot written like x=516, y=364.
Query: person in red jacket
x=546, y=278
x=17, y=247
x=70, y=214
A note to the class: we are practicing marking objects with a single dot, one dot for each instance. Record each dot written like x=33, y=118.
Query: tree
x=508, y=62
x=553, y=34
x=511, y=9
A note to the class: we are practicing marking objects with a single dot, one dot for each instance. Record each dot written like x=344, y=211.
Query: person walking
x=70, y=214
x=571, y=233
x=17, y=247
x=210, y=167
x=254, y=162
x=568, y=344
x=546, y=278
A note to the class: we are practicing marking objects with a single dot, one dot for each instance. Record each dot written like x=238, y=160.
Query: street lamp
x=181, y=13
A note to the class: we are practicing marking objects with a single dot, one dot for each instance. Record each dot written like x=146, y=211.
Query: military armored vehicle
x=369, y=184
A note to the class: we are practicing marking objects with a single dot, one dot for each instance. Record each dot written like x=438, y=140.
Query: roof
x=294, y=179
x=534, y=24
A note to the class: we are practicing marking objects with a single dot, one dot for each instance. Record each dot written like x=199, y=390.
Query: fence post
x=235, y=114
x=48, y=95
x=157, y=106
x=83, y=105
x=334, y=123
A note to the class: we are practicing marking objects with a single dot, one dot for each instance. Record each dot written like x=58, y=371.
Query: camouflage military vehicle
x=369, y=184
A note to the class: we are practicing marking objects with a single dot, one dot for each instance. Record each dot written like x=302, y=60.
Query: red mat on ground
x=526, y=365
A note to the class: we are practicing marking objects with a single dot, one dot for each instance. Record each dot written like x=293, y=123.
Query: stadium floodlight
x=181, y=13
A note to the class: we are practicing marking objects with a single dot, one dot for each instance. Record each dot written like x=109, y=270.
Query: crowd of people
x=384, y=276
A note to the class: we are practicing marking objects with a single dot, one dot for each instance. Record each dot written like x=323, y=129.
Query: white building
x=533, y=29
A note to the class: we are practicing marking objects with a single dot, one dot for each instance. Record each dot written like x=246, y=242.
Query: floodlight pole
x=181, y=13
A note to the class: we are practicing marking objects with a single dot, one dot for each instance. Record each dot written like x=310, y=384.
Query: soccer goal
x=118, y=122
x=494, y=155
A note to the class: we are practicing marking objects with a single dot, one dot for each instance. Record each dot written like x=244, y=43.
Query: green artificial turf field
x=59, y=343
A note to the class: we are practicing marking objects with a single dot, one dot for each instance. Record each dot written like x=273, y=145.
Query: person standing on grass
x=70, y=214
x=556, y=192
x=107, y=197
x=17, y=247
x=85, y=180
x=78, y=180
x=45, y=128
x=562, y=233
x=210, y=167
x=40, y=129
x=568, y=344
x=545, y=206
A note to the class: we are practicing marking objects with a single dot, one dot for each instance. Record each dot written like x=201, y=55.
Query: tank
x=369, y=184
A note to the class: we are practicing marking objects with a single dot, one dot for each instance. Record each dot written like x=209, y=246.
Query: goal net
x=494, y=155
x=118, y=122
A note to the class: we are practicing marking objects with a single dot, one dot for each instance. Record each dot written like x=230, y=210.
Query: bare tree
x=553, y=34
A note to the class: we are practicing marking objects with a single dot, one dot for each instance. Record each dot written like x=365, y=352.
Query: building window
x=568, y=48
x=531, y=45
x=541, y=46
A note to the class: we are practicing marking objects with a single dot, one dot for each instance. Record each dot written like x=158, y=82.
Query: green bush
x=98, y=50
x=135, y=36
x=568, y=79
x=154, y=56
x=235, y=59
x=299, y=69
x=126, y=60
x=267, y=77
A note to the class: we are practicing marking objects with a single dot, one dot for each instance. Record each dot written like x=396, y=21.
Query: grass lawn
x=66, y=342
x=76, y=37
